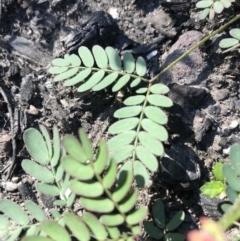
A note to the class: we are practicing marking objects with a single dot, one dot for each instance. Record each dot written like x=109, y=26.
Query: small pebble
x=15, y=179
x=233, y=124
x=10, y=186
x=33, y=110
x=152, y=54
x=113, y=12
x=227, y=150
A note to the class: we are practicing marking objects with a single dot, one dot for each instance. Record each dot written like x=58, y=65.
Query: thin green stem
x=195, y=47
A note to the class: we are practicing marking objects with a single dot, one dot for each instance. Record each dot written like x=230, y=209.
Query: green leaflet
x=159, y=100
x=235, y=157
x=47, y=189
x=232, y=194
x=47, y=139
x=122, y=153
x=151, y=143
x=36, y=146
x=81, y=76
x=86, y=144
x=99, y=164
x=35, y=210
x=123, y=125
x=121, y=140
x=127, y=112
x=86, y=189
x=61, y=62
x=95, y=226
x=128, y=63
x=14, y=212
x=141, y=174
x=110, y=174
x=141, y=67
x=137, y=216
x=112, y=219
x=155, y=114
x=121, y=83
x=56, y=147
x=86, y=56
x=39, y=172
x=175, y=221
x=159, y=214
x=147, y=158
x=57, y=70
x=152, y=230
x=128, y=203
x=134, y=100
x=67, y=74
x=100, y=56
x=114, y=59
x=231, y=177
x=235, y=33
x=135, y=82
x=159, y=89
x=55, y=231
x=73, y=59
x=77, y=227
x=93, y=80
x=108, y=80
x=155, y=129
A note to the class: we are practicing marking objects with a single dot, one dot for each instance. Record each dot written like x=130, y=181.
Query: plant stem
x=195, y=47
x=232, y=215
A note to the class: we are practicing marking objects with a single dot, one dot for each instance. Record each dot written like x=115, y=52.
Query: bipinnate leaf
x=86, y=189
x=98, y=205
x=217, y=171
x=159, y=89
x=155, y=114
x=154, y=129
x=228, y=42
x=177, y=219
x=77, y=169
x=174, y=236
x=77, y=227
x=36, y=146
x=112, y=219
x=159, y=100
x=86, y=144
x=212, y=188
x=100, y=56
x=55, y=231
x=14, y=212
x=74, y=148
x=56, y=147
x=152, y=230
x=235, y=157
x=95, y=226
x=137, y=216
x=114, y=59
x=39, y=172
x=204, y=4
x=50, y=190
x=151, y=143
x=231, y=177
x=134, y=100
x=141, y=67
x=147, y=158
x=123, y=125
x=159, y=214
x=235, y=33
x=47, y=139
x=35, y=210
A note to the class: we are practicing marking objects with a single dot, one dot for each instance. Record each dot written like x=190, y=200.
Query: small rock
x=237, y=104
x=15, y=179
x=10, y=186
x=220, y=95
x=226, y=150
x=33, y=110
x=113, y=12
x=233, y=124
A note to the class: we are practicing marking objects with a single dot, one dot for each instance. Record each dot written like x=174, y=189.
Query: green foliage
x=231, y=43
x=212, y=7
x=139, y=132
x=158, y=229
x=215, y=187
x=75, y=172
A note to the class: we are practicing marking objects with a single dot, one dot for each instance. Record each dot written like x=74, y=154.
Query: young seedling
x=231, y=43
x=215, y=187
x=212, y=7
x=158, y=229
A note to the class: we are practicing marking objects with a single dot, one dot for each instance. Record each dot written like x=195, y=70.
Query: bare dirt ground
x=203, y=123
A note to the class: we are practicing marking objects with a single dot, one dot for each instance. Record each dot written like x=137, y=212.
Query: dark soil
x=204, y=88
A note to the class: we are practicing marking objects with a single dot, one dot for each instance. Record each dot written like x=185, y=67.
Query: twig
x=14, y=145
